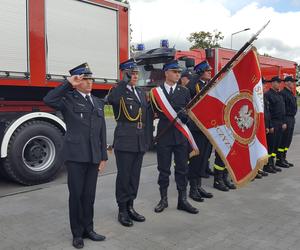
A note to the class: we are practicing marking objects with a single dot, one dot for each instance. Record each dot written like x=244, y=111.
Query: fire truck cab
x=40, y=41
x=151, y=63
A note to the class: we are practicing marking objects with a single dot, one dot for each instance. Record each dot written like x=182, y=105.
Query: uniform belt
x=138, y=125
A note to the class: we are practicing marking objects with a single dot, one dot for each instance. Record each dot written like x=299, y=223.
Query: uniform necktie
x=89, y=101
x=171, y=91
x=134, y=92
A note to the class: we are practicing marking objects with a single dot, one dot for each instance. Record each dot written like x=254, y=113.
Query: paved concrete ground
x=264, y=215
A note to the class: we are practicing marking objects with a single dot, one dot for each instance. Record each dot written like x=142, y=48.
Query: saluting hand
x=75, y=80
x=102, y=166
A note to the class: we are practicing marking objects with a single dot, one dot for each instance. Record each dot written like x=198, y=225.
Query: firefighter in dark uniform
x=268, y=168
x=198, y=163
x=130, y=108
x=277, y=114
x=221, y=178
x=185, y=77
x=84, y=147
x=172, y=141
x=290, y=101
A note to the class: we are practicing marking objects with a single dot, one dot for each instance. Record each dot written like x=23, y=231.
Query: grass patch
x=108, y=111
x=298, y=101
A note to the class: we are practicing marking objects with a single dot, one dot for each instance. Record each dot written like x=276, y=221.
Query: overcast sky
x=153, y=20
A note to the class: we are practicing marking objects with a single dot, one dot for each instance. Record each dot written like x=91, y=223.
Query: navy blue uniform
x=172, y=141
x=289, y=119
x=130, y=110
x=277, y=116
x=84, y=148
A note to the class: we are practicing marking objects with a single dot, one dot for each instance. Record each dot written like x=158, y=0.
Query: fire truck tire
x=34, y=153
x=3, y=173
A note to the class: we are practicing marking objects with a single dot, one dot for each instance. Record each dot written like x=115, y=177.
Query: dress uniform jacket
x=172, y=140
x=277, y=106
x=290, y=103
x=178, y=100
x=129, y=134
x=130, y=110
x=277, y=115
x=194, y=86
x=85, y=139
x=291, y=110
x=84, y=148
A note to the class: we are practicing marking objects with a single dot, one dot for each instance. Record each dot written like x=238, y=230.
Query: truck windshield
x=153, y=75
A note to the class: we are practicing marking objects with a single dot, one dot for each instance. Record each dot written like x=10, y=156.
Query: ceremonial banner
x=231, y=115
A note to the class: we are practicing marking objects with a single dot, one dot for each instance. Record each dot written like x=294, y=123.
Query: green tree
x=265, y=54
x=205, y=39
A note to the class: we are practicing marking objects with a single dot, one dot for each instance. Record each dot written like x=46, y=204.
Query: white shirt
x=134, y=91
x=168, y=87
x=84, y=95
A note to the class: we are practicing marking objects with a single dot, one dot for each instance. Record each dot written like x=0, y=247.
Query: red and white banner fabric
x=231, y=115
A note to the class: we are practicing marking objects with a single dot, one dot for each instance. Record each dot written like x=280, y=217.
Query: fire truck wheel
x=3, y=173
x=34, y=153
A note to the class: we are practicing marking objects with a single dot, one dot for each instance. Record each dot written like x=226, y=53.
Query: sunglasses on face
x=89, y=79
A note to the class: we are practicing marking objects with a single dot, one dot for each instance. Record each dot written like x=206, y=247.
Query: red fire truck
x=40, y=41
x=151, y=63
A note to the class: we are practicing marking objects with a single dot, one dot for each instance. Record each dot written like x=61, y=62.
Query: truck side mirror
x=148, y=67
x=189, y=62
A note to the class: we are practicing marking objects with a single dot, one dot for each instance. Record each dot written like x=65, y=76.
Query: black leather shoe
x=184, y=205
x=194, y=194
x=134, y=215
x=92, y=235
x=282, y=164
x=229, y=184
x=124, y=219
x=219, y=182
x=263, y=173
x=226, y=180
x=258, y=176
x=78, y=242
x=269, y=169
x=285, y=160
x=162, y=204
x=277, y=169
x=288, y=163
x=202, y=191
x=220, y=186
x=204, y=194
